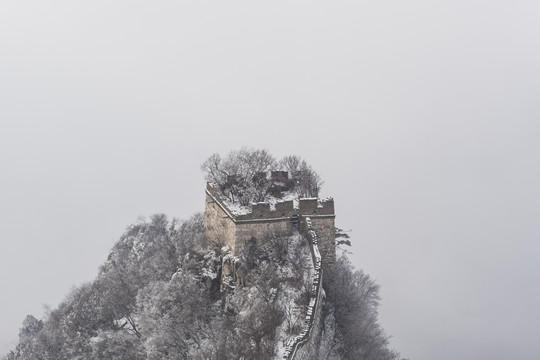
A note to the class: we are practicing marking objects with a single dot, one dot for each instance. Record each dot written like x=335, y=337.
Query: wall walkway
x=300, y=347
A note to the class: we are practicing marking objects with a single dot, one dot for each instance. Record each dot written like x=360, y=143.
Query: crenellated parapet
x=312, y=217
x=231, y=226
x=313, y=207
x=281, y=209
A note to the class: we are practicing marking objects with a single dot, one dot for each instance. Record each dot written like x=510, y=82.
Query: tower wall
x=260, y=230
x=314, y=219
x=325, y=228
x=222, y=227
x=219, y=227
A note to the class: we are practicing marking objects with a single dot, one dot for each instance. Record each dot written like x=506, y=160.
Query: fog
x=422, y=118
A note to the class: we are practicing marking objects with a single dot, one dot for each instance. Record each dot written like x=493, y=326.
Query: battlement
x=282, y=209
x=234, y=226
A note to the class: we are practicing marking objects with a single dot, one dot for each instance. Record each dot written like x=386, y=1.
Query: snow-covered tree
x=242, y=176
x=158, y=297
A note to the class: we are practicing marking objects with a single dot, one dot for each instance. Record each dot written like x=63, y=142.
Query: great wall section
x=302, y=346
x=234, y=230
x=312, y=217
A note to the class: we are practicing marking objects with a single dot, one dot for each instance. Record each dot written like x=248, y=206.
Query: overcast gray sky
x=421, y=116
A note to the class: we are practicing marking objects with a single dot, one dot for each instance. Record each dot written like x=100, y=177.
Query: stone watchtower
x=224, y=226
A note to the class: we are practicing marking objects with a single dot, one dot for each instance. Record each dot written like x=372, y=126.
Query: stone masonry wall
x=260, y=230
x=286, y=209
x=315, y=220
x=219, y=228
x=325, y=229
x=225, y=228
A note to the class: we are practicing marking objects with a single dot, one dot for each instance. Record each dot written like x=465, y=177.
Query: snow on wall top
x=288, y=206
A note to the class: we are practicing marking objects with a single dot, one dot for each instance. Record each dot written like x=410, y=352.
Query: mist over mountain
x=167, y=290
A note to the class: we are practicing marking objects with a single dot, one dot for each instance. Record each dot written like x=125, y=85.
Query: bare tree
x=212, y=169
x=309, y=182
x=259, y=327
x=291, y=163
x=353, y=299
x=241, y=175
